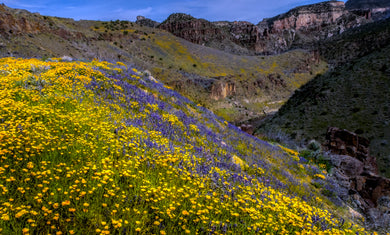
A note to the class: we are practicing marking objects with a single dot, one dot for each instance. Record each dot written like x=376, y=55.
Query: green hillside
x=353, y=97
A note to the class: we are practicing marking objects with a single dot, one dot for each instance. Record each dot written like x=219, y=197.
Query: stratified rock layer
x=299, y=27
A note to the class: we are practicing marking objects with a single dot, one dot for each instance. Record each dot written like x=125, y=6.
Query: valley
x=280, y=126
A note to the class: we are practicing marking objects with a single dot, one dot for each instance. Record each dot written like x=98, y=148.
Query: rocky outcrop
x=248, y=128
x=194, y=30
x=143, y=21
x=220, y=90
x=22, y=22
x=355, y=171
x=9, y=24
x=305, y=25
x=311, y=17
x=344, y=142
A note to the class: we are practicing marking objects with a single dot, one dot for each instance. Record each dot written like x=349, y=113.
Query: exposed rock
x=194, y=30
x=9, y=24
x=310, y=17
x=348, y=166
x=22, y=22
x=344, y=142
x=247, y=128
x=356, y=171
x=221, y=90
x=143, y=21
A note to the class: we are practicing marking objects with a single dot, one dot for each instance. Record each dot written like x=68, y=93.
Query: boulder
x=349, y=166
x=344, y=142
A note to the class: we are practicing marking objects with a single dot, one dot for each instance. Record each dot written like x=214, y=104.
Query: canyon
x=301, y=27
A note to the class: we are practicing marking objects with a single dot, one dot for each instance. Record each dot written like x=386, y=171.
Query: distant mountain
x=354, y=96
x=297, y=28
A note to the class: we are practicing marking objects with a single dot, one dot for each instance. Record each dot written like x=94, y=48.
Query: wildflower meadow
x=101, y=148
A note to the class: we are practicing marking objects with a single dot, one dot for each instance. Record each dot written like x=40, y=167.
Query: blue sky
x=248, y=10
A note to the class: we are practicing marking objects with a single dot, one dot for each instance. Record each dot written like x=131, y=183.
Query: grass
x=96, y=148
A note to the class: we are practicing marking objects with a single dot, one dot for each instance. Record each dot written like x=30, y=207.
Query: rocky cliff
x=143, y=21
x=313, y=17
x=24, y=23
x=194, y=30
x=218, y=35
x=299, y=27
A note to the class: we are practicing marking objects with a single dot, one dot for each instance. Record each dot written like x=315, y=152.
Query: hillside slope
x=246, y=86
x=93, y=147
x=353, y=97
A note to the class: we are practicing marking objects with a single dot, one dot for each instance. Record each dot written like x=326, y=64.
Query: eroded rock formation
x=355, y=171
x=194, y=30
x=221, y=90
x=143, y=21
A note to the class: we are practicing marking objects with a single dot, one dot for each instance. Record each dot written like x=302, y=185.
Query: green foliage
x=346, y=98
x=314, y=154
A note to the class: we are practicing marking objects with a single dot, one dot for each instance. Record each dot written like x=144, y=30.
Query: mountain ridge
x=297, y=28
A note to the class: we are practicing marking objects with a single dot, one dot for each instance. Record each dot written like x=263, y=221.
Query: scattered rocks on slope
x=356, y=173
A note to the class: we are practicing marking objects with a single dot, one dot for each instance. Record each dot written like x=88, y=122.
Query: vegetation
x=97, y=148
x=346, y=97
x=190, y=69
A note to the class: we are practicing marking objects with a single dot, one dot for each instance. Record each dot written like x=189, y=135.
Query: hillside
x=258, y=84
x=355, y=43
x=94, y=147
x=353, y=97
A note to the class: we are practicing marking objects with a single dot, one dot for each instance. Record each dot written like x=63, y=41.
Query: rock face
x=311, y=17
x=355, y=171
x=343, y=142
x=299, y=27
x=16, y=25
x=377, y=9
x=143, y=21
x=221, y=90
x=22, y=22
x=194, y=30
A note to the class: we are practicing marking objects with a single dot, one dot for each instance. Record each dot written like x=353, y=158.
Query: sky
x=213, y=10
